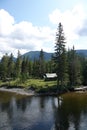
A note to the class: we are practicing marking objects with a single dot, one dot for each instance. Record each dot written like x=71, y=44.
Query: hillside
x=47, y=56
x=82, y=52
x=35, y=54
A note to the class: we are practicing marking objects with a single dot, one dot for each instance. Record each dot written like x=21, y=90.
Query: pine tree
x=30, y=68
x=74, y=69
x=4, y=67
x=60, y=56
x=23, y=65
x=11, y=66
x=84, y=71
x=41, y=63
x=49, y=68
x=24, y=69
x=35, y=68
x=18, y=65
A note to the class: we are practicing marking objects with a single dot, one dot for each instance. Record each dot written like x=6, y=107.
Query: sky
x=31, y=25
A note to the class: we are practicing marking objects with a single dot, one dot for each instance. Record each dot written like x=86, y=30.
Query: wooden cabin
x=50, y=76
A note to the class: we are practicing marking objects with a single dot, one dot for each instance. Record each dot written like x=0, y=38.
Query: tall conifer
x=60, y=57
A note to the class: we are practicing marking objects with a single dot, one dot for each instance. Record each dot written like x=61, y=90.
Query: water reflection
x=68, y=112
x=72, y=113
x=26, y=113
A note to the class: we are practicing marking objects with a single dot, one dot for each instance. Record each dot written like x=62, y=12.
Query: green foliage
x=35, y=69
x=60, y=58
x=18, y=65
x=84, y=70
x=74, y=68
x=37, y=84
x=25, y=68
x=70, y=68
x=41, y=64
x=6, y=67
x=10, y=66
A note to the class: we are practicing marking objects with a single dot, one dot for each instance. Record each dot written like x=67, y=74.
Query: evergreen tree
x=74, y=69
x=18, y=65
x=49, y=66
x=27, y=66
x=60, y=56
x=24, y=68
x=11, y=66
x=30, y=68
x=4, y=66
x=41, y=64
x=23, y=65
x=35, y=68
x=83, y=61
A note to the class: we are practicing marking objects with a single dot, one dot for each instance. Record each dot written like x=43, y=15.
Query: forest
x=71, y=68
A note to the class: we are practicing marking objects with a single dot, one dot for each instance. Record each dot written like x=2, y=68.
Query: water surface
x=67, y=112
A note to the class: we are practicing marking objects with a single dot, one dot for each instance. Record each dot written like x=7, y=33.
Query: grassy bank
x=38, y=84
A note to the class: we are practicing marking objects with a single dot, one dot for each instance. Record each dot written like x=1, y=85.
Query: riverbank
x=20, y=91
x=30, y=87
x=35, y=87
x=25, y=92
x=31, y=92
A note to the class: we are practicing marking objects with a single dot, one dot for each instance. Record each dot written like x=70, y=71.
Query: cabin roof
x=51, y=75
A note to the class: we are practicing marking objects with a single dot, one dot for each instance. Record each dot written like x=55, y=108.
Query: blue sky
x=35, y=11
x=29, y=25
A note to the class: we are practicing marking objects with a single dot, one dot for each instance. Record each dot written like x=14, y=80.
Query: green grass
x=38, y=84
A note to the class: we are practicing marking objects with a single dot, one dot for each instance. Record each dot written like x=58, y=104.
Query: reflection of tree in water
x=15, y=104
x=5, y=116
x=61, y=121
x=42, y=102
x=22, y=103
x=69, y=112
x=4, y=106
x=14, y=110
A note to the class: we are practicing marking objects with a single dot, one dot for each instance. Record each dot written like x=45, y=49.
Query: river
x=66, y=112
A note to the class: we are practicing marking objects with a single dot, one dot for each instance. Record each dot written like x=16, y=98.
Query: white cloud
x=72, y=20
x=26, y=37
x=23, y=36
x=6, y=22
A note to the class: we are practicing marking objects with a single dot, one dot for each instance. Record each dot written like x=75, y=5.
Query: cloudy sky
x=29, y=25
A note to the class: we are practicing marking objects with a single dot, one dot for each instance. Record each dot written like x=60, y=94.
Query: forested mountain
x=47, y=56
x=82, y=52
x=35, y=54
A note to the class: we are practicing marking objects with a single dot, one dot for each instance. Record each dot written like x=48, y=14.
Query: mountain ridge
x=82, y=52
x=47, y=55
x=35, y=55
